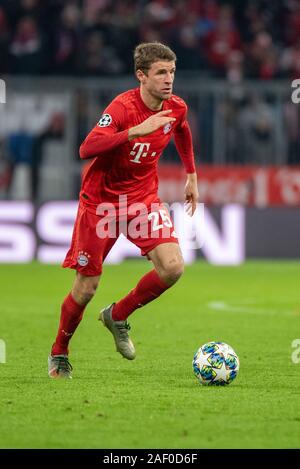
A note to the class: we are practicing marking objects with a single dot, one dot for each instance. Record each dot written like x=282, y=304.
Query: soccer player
x=124, y=148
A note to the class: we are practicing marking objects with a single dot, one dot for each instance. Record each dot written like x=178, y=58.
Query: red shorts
x=94, y=235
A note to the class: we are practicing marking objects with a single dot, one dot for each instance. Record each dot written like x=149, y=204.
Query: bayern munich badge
x=83, y=258
x=167, y=128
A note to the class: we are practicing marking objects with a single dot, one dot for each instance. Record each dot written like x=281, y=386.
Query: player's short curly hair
x=147, y=53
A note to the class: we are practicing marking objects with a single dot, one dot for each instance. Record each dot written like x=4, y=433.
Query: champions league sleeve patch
x=105, y=120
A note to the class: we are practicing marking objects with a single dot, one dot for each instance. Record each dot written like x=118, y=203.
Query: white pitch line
x=223, y=306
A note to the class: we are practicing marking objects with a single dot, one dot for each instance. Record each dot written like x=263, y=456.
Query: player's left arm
x=184, y=144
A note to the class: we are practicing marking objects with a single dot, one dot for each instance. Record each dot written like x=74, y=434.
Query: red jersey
x=129, y=167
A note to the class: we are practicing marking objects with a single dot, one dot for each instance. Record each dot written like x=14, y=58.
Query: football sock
x=149, y=287
x=71, y=315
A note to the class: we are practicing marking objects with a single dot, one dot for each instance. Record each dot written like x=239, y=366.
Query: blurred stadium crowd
x=231, y=38
x=236, y=62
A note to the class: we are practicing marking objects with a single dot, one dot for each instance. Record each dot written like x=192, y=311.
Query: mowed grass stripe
x=154, y=401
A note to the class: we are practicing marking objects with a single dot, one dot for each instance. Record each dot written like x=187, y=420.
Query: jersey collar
x=146, y=108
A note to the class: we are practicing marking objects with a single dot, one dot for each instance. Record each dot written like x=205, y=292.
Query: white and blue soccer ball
x=216, y=364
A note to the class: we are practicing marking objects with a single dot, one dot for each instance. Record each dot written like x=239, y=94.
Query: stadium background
x=62, y=63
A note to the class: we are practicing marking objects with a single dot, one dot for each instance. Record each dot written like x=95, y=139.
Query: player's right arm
x=151, y=124
x=109, y=132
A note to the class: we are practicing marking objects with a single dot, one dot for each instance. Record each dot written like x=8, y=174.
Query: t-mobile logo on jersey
x=140, y=147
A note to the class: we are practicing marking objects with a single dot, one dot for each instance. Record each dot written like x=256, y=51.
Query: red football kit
x=124, y=172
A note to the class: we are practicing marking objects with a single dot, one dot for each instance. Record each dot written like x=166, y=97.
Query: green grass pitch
x=155, y=400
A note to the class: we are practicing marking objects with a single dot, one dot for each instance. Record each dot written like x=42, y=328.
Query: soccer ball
x=216, y=363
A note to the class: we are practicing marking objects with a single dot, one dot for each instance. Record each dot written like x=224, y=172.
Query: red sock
x=148, y=288
x=71, y=315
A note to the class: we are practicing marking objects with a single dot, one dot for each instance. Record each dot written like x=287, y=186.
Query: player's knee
x=87, y=290
x=172, y=271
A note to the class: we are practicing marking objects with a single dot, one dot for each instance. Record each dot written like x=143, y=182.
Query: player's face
x=159, y=79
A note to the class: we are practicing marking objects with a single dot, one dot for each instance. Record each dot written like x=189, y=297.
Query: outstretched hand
x=151, y=124
x=191, y=194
